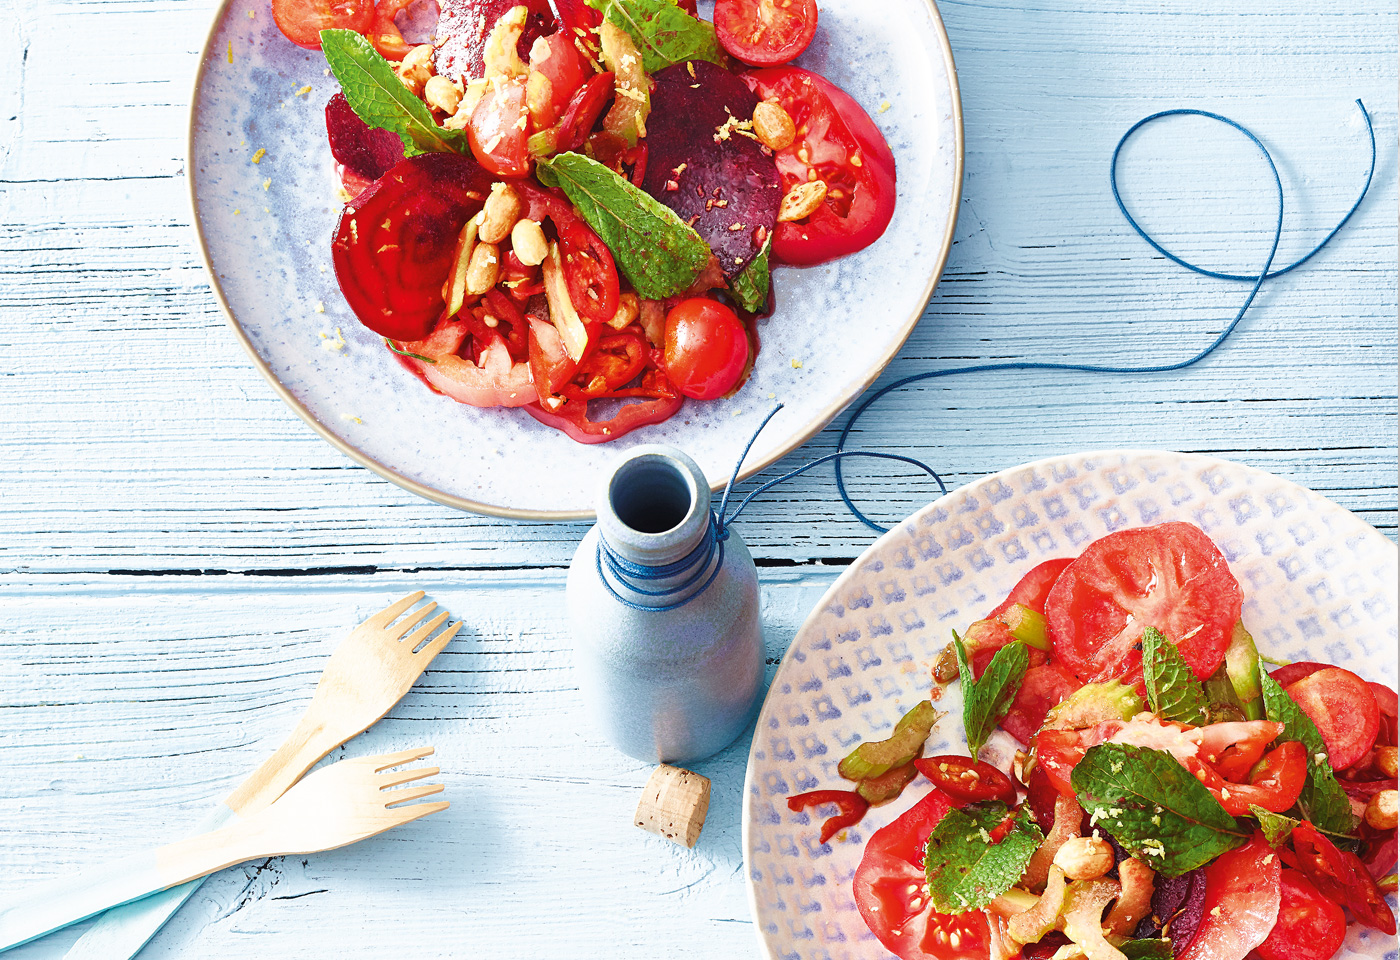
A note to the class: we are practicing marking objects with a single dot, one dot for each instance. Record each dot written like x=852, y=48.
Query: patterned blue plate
x=1319, y=583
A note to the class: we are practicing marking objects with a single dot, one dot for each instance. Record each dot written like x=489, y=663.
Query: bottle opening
x=651, y=495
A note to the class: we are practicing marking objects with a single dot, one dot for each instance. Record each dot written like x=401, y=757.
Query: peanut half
x=802, y=201
x=772, y=125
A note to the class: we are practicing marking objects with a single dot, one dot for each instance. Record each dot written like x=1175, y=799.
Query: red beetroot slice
x=363, y=150
x=464, y=25
x=726, y=188
x=393, y=248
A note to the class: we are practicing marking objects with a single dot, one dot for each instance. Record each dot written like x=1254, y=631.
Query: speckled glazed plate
x=265, y=203
x=1319, y=583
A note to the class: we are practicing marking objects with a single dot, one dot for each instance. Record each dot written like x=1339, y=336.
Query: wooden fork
x=367, y=674
x=338, y=805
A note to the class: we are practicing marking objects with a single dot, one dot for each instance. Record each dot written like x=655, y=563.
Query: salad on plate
x=1172, y=797
x=574, y=207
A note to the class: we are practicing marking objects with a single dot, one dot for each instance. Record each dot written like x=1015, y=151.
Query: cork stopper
x=673, y=805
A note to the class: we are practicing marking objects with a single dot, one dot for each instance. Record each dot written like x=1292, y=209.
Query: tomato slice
x=1241, y=904
x=301, y=21
x=765, y=33
x=1341, y=876
x=840, y=145
x=1296, y=670
x=1344, y=709
x=889, y=889
x=1170, y=576
x=1033, y=589
x=1043, y=687
x=497, y=130
x=966, y=780
x=1309, y=927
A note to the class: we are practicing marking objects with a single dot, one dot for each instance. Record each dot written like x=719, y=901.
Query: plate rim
x=766, y=950
x=813, y=426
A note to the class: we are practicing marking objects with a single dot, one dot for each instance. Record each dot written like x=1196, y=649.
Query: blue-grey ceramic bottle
x=664, y=685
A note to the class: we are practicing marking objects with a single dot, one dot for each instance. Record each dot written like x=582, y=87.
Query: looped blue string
x=708, y=554
x=1257, y=281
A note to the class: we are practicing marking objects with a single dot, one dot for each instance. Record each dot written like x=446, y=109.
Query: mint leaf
x=1323, y=800
x=1275, y=826
x=1146, y=949
x=987, y=698
x=750, y=286
x=965, y=869
x=663, y=32
x=381, y=100
x=1172, y=689
x=657, y=252
x=1154, y=808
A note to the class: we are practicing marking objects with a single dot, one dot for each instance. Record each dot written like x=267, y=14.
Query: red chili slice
x=393, y=248
x=589, y=271
x=966, y=780
x=1344, y=709
x=605, y=371
x=573, y=417
x=851, y=804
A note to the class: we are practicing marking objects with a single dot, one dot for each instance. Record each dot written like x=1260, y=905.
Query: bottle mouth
x=652, y=494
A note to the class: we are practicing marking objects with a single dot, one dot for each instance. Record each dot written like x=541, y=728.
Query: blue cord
x=703, y=556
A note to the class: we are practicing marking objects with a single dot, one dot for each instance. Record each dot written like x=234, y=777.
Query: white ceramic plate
x=266, y=227
x=1319, y=584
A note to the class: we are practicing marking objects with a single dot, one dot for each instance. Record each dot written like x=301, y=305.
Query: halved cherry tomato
x=966, y=780
x=1274, y=786
x=1296, y=670
x=559, y=64
x=1309, y=927
x=765, y=33
x=1340, y=876
x=497, y=130
x=1344, y=709
x=1170, y=576
x=384, y=33
x=589, y=271
x=706, y=347
x=852, y=807
x=889, y=889
x=1241, y=903
x=1041, y=688
x=840, y=145
x=301, y=21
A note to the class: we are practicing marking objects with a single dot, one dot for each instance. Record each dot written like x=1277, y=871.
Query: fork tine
x=434, y=646
x=411, y=793
x=417, y=811
x=426, y=631
x=386, y=616
x=384, y=762
x=396, y=777
x=410, y=621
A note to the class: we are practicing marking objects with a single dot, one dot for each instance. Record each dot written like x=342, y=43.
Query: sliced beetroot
x=705, y=169
x=1178, y=904
x=393, y=248
x=464, y=25
x=363, y=151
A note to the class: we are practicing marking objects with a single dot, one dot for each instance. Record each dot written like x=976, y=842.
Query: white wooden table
x=178, y=551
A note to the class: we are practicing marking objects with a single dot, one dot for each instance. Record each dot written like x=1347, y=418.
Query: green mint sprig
x=750, y=286
x=1323, y=801
x=663, y=32
x=987, y=698
x=1172, y=689
x=965, y=870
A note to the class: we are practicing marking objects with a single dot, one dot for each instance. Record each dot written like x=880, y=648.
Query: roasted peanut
x=629, y=308
x=442, y=95
x=802, y=201
x=462, y=117
x=484, y=269
x=1386, y=760
x=416, y=68
x=772, y=125
x=1381, y=812
x=528, y=242
x=503, y=208
x=1085, y=858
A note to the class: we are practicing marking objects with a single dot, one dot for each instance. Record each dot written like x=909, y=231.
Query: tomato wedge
x=889, y=886
x=1043, y=687
x=1309, y=927
x=301, y=21
x=1241, y=905
x=765, y=33
x=385, y=34
x=497, y=130
x=1170, y=576
x=1341, y=876
x=840, y=145
x=966, y=780
x=1344, y=709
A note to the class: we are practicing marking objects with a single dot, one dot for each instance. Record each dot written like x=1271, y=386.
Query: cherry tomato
x=706, y=348
x=840, y=145
x=889, y=890
x=966, y=780
x=1309, y=927
x=1042, y=688
x=384, y=33
x=1241, y=904
x=301, y=21
x=765, y=33
x=497, y=129
x=589, y=271
x=1342, y=877
x=1344, y=709
x=558, y=62
x=1170, y=576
